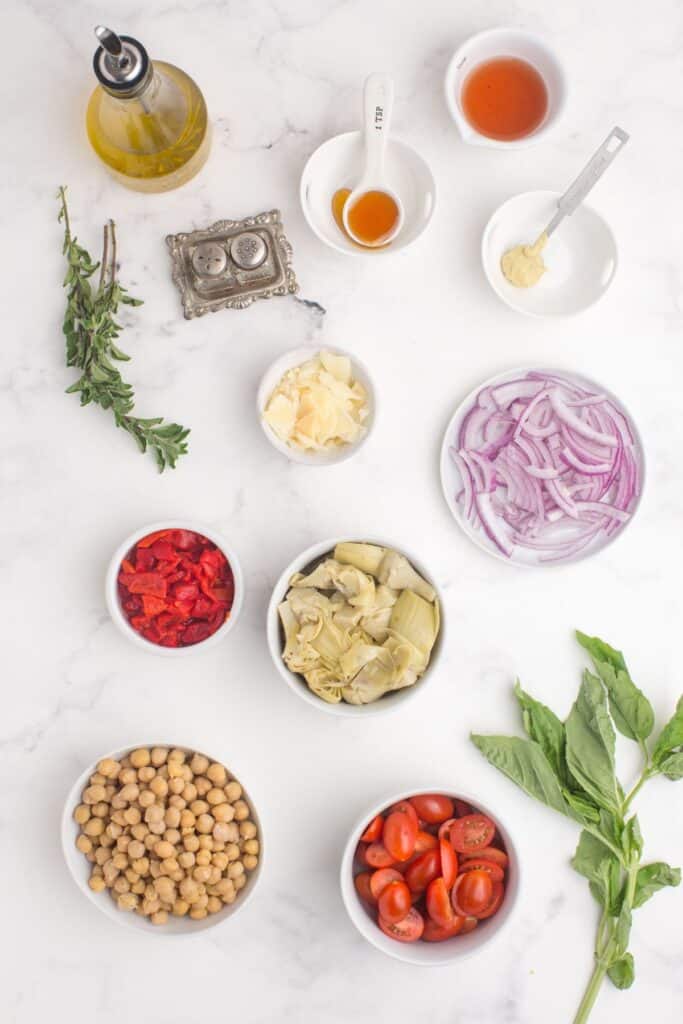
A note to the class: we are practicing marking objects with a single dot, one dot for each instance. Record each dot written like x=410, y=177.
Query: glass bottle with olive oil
x=146, y=120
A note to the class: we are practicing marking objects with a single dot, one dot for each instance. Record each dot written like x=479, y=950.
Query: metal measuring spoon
x=523, y=265
x=378, y=100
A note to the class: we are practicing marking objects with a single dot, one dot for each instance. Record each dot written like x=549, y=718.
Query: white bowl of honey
x=334, y=169
x=505, y=88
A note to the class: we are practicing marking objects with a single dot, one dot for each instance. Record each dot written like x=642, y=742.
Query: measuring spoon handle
x=378, y=101
x=592, y=172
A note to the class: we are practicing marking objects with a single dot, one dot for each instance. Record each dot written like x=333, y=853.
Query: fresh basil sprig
x=570, y=767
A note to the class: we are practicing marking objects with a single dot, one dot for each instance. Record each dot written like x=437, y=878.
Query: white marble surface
x=280, y=77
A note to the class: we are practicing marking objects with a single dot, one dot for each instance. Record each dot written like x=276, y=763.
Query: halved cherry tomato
x=374, y=830
x=425, y=841
x=438, y=932
x=496, y=900
x=405, y=807
x=472, y=893
x=472, y=833
x=362, y=883
x=479, y=864
x=408, y=930
x=394, y=902
x=432, y=807
x=438, y=902
x=469, y=925
x=423, y=870
x=377, y=856
x=445, y=828
x=399, y=835
x=461, y=808
x=491, y=853
x=380, y=879
x=449, y=863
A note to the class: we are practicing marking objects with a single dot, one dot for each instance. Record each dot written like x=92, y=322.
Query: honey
x=372, y=217
x=504, y=98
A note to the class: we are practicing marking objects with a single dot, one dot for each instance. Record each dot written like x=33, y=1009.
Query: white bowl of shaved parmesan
x=316, y=405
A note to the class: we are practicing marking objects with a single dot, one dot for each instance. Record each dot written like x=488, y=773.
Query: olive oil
x=147, y=121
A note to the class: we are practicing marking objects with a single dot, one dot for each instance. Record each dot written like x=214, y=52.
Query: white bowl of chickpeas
x=162, y=836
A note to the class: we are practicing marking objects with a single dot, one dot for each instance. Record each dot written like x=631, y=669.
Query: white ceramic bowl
x=271, y=379
x=80, y=868
x=338, y=163
x=451, y=482
x=296, y=683
x=581, y=256
x=428, y=954
x=112, y=596
x=506, y=42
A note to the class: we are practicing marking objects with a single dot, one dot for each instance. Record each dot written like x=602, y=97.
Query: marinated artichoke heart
x=318, y=405
x=361, y=624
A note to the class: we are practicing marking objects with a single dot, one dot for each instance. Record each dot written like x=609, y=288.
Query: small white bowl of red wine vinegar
x=505, y=88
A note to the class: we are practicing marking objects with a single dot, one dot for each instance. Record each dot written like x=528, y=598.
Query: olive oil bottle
x=146, y=120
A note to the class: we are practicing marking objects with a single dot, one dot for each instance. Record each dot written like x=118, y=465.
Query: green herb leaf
x=672, y=767
x=544, y=727
x=653, y=877
x=631, y=710
x=622, y=972
x=671, y=737
x=525, y=764
x=632, y=841
x=582, y=805
x=622, y=932
x=598, y=864
x=590, y=745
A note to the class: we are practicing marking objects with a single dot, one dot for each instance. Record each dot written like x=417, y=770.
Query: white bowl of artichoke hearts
x=316, y=406
x=354, y=627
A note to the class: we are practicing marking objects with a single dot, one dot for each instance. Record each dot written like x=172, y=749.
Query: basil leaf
x=653, y=877
x=590, y=745
x=525, y=763
x=622, y=973
x=631, y=710
x=622, y=932
x=544, y=727
x=632, y=840
x=583, y=806
x=671, y=736
x=598, y=864
x=672, y=767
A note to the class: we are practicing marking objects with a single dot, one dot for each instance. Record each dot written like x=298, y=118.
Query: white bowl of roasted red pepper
x=429, y=876
x=174, y=587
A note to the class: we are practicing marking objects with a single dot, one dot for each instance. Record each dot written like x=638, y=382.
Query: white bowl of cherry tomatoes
x=429, y=877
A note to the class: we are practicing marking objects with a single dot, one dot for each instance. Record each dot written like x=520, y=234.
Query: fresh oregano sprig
x=91, y=332
x=570, y=766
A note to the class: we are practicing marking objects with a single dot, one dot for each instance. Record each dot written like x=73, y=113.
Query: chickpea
x=221, y=832
x=172, y=817
x=159, y=786
x=251, y=846
x=220, y=861
x=146, y=774
x=201, y=874
x=113, y=830
x=120, y=861
x=140, y=758
x=205, y=823
x=101, y=855
x=225, y=887
x=97, y=779
x=198, y=913
x=163, y=849
x=158, y=756
x=189, y=792
x=141, y=865
x=129, y=792
x=186, y=859
x=189, y=890
x=177, y=801
x=203, y=858
x=118, y=817
x=107, y=841
x=109, y=768
x=234, y=832
x=217, y=846
x=235, y=869
x=241, y=810
x=180, y=908
x=177, y=755
x=233, y=791
x=199, y=764
x=132, y=876
x=223, y=812
x=136, y=849
x=164, y=888
x=169, y=866
x=187, y=819
x=205, y=842
x=232, y=851
x=97, y=883
x=94, y=827
x=172, y=835
x=217, y=774
x=160, y=917
x=132, y=816
x=138, y=887
x=139, y=831
x=122, y=843
x=127, y=901
x=146, y=798
x=240, y=882
x=191, y=843
x=249, y=861
x=157, y=827
x=128, y=776
x=202, y=785
x=81, y=814
x=199, y=807
x=125, y=762
x=154, y=814
x=214, y=905
x=154, y=869
x=117, y=802
x=150, y=906
x=175, y=774
x=94, y=794
x=215, y=796
x=101, y=809
x=248, y=830
x=83, y=844
x=121, y=884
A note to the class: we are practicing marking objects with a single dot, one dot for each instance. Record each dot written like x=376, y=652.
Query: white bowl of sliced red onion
x=542, y=467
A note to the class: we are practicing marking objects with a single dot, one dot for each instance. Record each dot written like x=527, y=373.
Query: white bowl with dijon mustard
x=316, y=411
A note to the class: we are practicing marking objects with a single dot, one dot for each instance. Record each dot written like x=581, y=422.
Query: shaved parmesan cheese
x=318, y=405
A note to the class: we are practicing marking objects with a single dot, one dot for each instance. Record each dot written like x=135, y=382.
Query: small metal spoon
x=378, y=99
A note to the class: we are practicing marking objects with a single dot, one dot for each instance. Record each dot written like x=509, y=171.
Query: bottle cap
x=121, y=63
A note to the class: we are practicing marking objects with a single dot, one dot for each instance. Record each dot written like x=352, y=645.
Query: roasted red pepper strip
x=148, y=583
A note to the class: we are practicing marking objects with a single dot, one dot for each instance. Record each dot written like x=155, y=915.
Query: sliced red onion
x=546, y=465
